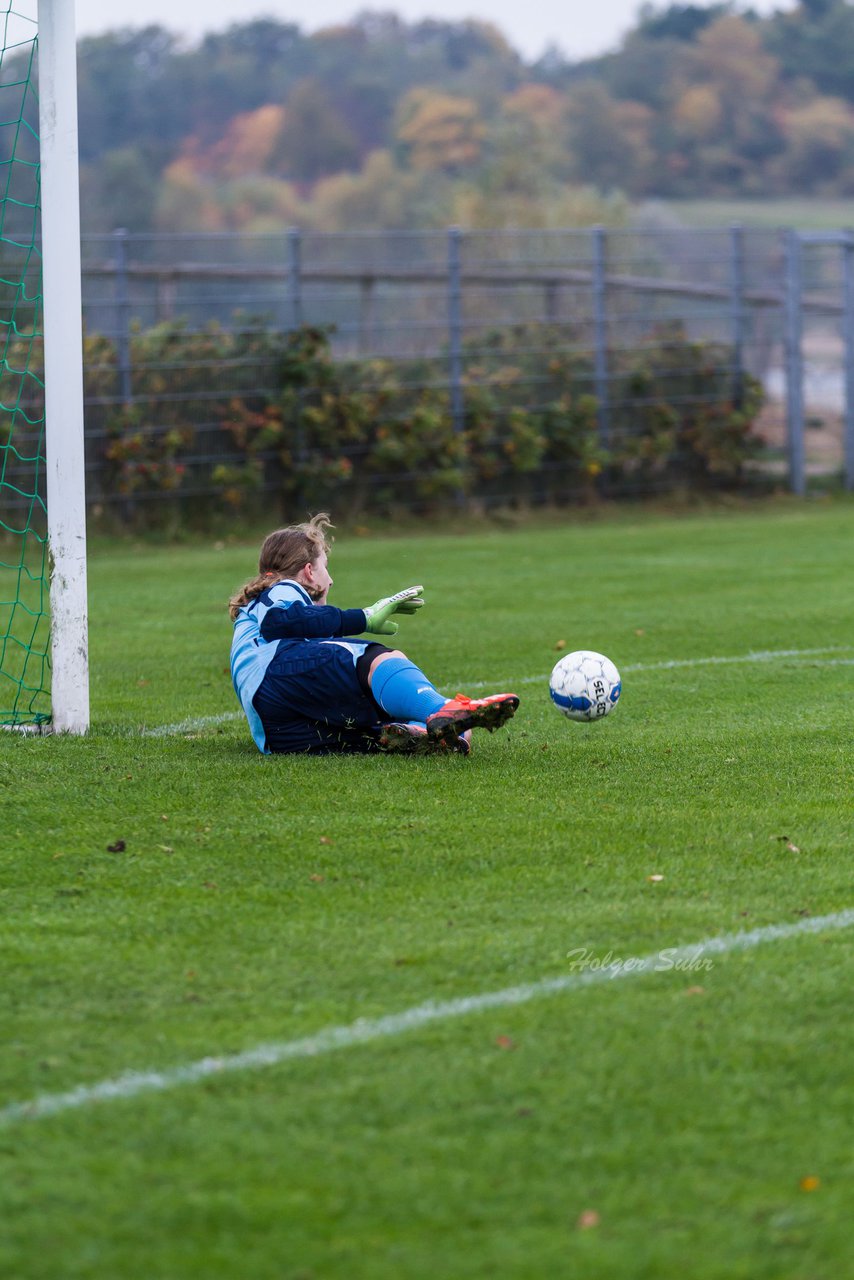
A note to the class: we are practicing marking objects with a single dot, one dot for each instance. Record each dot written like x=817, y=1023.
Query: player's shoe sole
x=412, y=740
x=462, y=713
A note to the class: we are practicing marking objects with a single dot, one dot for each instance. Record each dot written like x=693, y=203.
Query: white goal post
x=63, y=357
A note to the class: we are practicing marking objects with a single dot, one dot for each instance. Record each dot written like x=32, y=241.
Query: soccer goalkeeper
x=307, y=686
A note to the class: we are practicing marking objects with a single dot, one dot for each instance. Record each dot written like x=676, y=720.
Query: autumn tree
x=380, y=195
x=439, y=132
x=724, y=124
x=608, y=140
x=381, y=122
x=186, y=201
x=246, y=147
x=820, y=152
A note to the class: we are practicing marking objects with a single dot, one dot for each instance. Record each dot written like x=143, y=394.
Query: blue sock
x=404, y=692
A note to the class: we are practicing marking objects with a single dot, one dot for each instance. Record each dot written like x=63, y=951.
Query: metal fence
x=780, y=303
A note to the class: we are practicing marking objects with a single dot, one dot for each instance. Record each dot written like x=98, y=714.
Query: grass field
x=691, y=1121
x=803, y=213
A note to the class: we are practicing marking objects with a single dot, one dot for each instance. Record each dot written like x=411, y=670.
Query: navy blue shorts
x=312, y=700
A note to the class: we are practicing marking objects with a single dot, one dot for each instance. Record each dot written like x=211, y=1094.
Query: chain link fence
x=500, y=324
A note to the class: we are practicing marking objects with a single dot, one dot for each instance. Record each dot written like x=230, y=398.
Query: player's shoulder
x=286, y=592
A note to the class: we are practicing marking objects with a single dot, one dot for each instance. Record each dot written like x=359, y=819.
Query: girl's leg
x=400, y=689
x=404, y=693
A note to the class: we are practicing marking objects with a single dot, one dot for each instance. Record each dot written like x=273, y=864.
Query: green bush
x=684, y=415
x=218, y=416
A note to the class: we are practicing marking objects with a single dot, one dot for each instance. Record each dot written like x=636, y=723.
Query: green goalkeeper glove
x=378, y=616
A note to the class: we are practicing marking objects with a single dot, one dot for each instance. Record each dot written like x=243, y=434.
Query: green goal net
x=24, y=584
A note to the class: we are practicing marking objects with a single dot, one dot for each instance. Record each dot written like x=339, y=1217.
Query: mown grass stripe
x=132, y=1084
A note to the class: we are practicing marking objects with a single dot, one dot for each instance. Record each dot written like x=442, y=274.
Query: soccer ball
x=585, y=685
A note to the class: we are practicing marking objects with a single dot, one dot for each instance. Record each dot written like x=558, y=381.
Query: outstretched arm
x=310, y=621
x=295, y=620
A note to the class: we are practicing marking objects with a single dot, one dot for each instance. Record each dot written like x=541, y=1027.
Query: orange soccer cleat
x=462, y=713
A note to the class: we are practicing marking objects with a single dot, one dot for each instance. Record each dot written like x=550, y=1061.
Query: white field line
x=671, y=664
x=133, y=1083
x=193, y=724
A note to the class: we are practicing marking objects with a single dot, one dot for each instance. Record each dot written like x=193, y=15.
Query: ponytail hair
x=283, y=554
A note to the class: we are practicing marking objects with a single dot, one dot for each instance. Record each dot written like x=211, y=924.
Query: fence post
x=737, y=311
x=550, y=290
x=794, y=364
x=848, y=338
x=455, y=329
x=120, y=239
x=166, y=293
x=294, y=295
x=600, y=335
x=365, y=338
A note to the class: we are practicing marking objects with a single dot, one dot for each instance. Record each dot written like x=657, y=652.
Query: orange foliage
x=245, y=148
x=730, y=54
x=698, y=112
x=539, y=103
x=441, y=131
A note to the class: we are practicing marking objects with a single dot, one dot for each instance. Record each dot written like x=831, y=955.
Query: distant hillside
x=382, y=123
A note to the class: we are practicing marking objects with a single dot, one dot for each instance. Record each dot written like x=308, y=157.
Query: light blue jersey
x=251, y=655
x=283, y=614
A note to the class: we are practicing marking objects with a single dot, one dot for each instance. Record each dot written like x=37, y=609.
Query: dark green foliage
x=678, y=21
x=316, y=138
x=815, y=42
x=130, y=92
x=120, y=190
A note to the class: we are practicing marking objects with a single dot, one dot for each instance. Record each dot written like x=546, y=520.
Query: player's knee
x=381, y=657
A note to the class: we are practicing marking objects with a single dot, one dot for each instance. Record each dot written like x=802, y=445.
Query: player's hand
x=378, y=616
